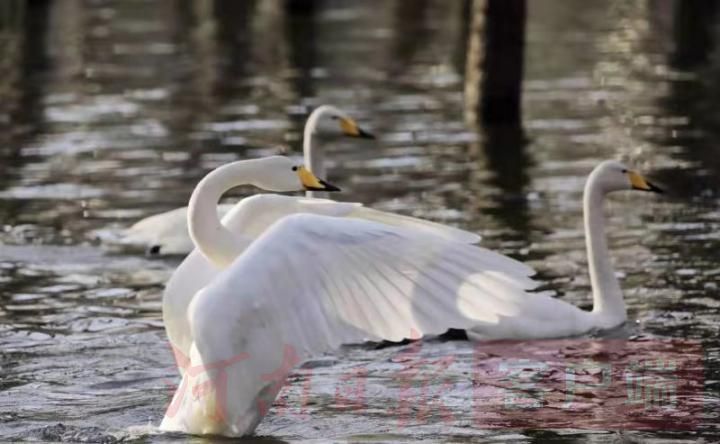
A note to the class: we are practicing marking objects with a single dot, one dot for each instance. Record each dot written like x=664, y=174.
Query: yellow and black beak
x=311, y=183
x=351, y=129
x=638, y=182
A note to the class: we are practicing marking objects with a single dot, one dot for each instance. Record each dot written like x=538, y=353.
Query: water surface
x=112, y=110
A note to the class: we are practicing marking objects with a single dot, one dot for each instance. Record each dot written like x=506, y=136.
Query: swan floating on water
x=167, y=233
x=542, y=316
x=301, y=285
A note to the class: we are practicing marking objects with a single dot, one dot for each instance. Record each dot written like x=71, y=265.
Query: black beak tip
x=655, y=189
x=329, y=187
x=365, y=135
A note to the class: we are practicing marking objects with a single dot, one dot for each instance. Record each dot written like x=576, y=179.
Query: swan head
x=612, y=175
x=281, y=174
x=330, y=120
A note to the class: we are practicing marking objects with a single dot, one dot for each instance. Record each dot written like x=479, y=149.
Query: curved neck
x=314, y=156
x=607, y=296
x=209, y=235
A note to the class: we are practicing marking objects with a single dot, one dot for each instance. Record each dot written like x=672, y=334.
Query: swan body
x=167, y=233
x=308, y=283
x=249, y=219
x=543, y=316
x=164, y=233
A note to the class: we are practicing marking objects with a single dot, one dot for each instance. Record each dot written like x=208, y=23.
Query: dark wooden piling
x=300, y=34
x=494, y=63
x=301, y=7
x=694, y=32
x=493, y=87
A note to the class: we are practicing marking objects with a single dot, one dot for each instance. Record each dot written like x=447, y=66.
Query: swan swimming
x=307, y=284
x=167, y=233
x=542, y=316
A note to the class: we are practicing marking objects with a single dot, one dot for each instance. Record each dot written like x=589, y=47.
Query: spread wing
x=314, y=275
x=311, y=283
x=251, y=217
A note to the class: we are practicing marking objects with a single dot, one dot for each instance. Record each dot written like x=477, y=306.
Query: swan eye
x=294, y=168
x=624, y=171
x=334, y=117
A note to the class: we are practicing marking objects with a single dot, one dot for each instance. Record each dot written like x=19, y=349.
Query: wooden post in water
x=300, y=35
x=694, y=29
x=493, y=81
x=494, y=64
x=305, y=7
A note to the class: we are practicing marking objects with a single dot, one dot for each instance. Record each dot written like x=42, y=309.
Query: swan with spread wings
x=309, y=282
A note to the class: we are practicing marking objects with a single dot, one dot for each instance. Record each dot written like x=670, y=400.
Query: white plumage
x=546, y=317
x=283, y=279
x=306, y=283
x=167, y=233
x=248, y=220
x=311, y=283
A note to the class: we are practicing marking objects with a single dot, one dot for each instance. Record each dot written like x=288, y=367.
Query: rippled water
x=112, y=110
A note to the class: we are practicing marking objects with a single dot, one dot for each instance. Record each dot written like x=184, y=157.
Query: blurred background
x=489, y=115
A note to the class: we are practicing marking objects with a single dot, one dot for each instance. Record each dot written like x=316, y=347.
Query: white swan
x=542, y=316
x=250, y=217
x=307, y=284
x=167, y=233
x=249, y=220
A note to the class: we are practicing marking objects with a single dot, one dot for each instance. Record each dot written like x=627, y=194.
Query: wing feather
x=427, y=226
x=311, y=283
x=378, y=311
x=250, y=218
x=389, y=287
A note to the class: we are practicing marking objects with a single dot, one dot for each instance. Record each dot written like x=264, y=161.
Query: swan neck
x=209, y=235
x=314, y=155
x=608, y=300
